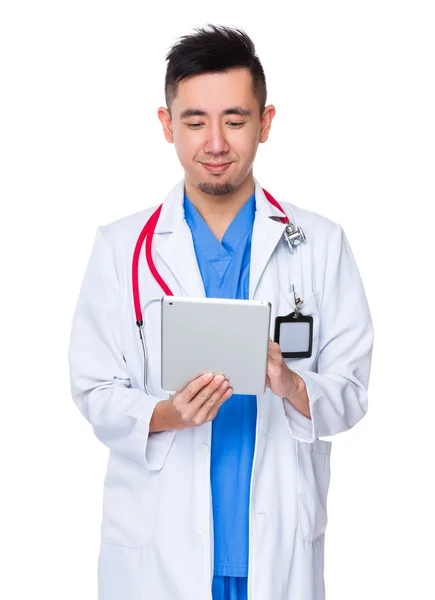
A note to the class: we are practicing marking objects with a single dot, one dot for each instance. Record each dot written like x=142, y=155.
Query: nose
x=216, y=142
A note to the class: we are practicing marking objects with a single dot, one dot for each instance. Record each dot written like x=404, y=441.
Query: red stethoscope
x=292, y=236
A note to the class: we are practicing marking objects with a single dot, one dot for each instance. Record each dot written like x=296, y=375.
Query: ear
x=166, y=121
x=266, y=122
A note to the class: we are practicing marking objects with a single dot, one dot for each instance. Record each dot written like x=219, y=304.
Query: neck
x=220, y=210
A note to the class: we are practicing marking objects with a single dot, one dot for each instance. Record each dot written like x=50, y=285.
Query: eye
x=194, y=125
x=236, y=124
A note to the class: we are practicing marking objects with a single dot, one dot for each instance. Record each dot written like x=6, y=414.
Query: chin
x=216, y=187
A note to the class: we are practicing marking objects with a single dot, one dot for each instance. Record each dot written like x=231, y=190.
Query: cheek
x=187, y=146
x=245, y=145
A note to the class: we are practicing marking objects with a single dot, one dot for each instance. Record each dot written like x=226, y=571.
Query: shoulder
x=119, y=237
x=313, y=221
x=322, y=233
x=123, y=233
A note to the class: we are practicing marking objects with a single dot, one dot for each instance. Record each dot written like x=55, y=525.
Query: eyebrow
x=234, y=110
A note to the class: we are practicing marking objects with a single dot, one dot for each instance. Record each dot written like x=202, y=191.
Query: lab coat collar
x=172, y=213
x=174, y=244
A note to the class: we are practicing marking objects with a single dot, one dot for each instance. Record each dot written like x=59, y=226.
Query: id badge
x=294, y=335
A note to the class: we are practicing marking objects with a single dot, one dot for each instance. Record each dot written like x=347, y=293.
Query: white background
x=353, y=139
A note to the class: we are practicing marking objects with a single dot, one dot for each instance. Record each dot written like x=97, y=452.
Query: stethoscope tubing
x=147, y=235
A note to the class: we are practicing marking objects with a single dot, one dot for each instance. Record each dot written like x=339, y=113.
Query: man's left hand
x=280, y=379
x=284, y=382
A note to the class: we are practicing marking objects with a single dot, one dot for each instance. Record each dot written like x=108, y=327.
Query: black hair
x=212, y=51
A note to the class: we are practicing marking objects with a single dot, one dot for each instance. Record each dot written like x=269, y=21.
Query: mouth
x=216, y=168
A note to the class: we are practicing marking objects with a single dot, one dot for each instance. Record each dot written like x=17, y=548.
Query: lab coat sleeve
x=119, y=414
x=337, y=390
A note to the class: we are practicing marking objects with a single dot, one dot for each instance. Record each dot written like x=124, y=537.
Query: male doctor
x=209, y=494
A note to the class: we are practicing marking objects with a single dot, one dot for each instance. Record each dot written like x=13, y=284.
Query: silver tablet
x=201, y=335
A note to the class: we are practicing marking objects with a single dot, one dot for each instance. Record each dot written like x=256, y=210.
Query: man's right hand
x=196, y=404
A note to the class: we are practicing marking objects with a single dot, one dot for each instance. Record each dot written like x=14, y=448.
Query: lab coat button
x=203, y=449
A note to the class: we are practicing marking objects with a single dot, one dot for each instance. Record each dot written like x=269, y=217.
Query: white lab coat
x=157, y=527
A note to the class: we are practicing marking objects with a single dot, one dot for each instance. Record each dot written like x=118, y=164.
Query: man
x=210, y=494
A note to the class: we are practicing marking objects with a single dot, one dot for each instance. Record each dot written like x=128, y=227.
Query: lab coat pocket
x=128, y=503
x=313, y=485
x=285, y=306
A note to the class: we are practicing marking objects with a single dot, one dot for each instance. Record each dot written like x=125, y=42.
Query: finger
x=205, y=393
x=274, y=352
x=273, y=344
x=188, y=409
x=213, y=403
x=214, y=390
x=194, y=386
x=213, y=411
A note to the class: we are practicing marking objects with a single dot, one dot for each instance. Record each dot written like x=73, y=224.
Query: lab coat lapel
x=266, y=234
x=174, y=245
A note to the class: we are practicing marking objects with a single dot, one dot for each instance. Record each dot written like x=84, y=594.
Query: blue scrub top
x=224, y=268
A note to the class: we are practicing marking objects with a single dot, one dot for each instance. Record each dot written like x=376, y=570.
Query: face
x=215, y=125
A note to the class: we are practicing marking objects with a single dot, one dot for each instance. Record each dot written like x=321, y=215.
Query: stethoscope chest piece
x=293, y=236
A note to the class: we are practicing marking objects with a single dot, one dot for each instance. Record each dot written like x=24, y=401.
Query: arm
x=162, y=418
x=119, y=414
x=336, y=394
x=296, y=394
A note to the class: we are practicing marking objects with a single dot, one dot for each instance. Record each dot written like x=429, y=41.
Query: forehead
x=214, y=92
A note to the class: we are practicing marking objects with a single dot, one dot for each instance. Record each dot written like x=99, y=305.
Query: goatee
x=217, y=189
